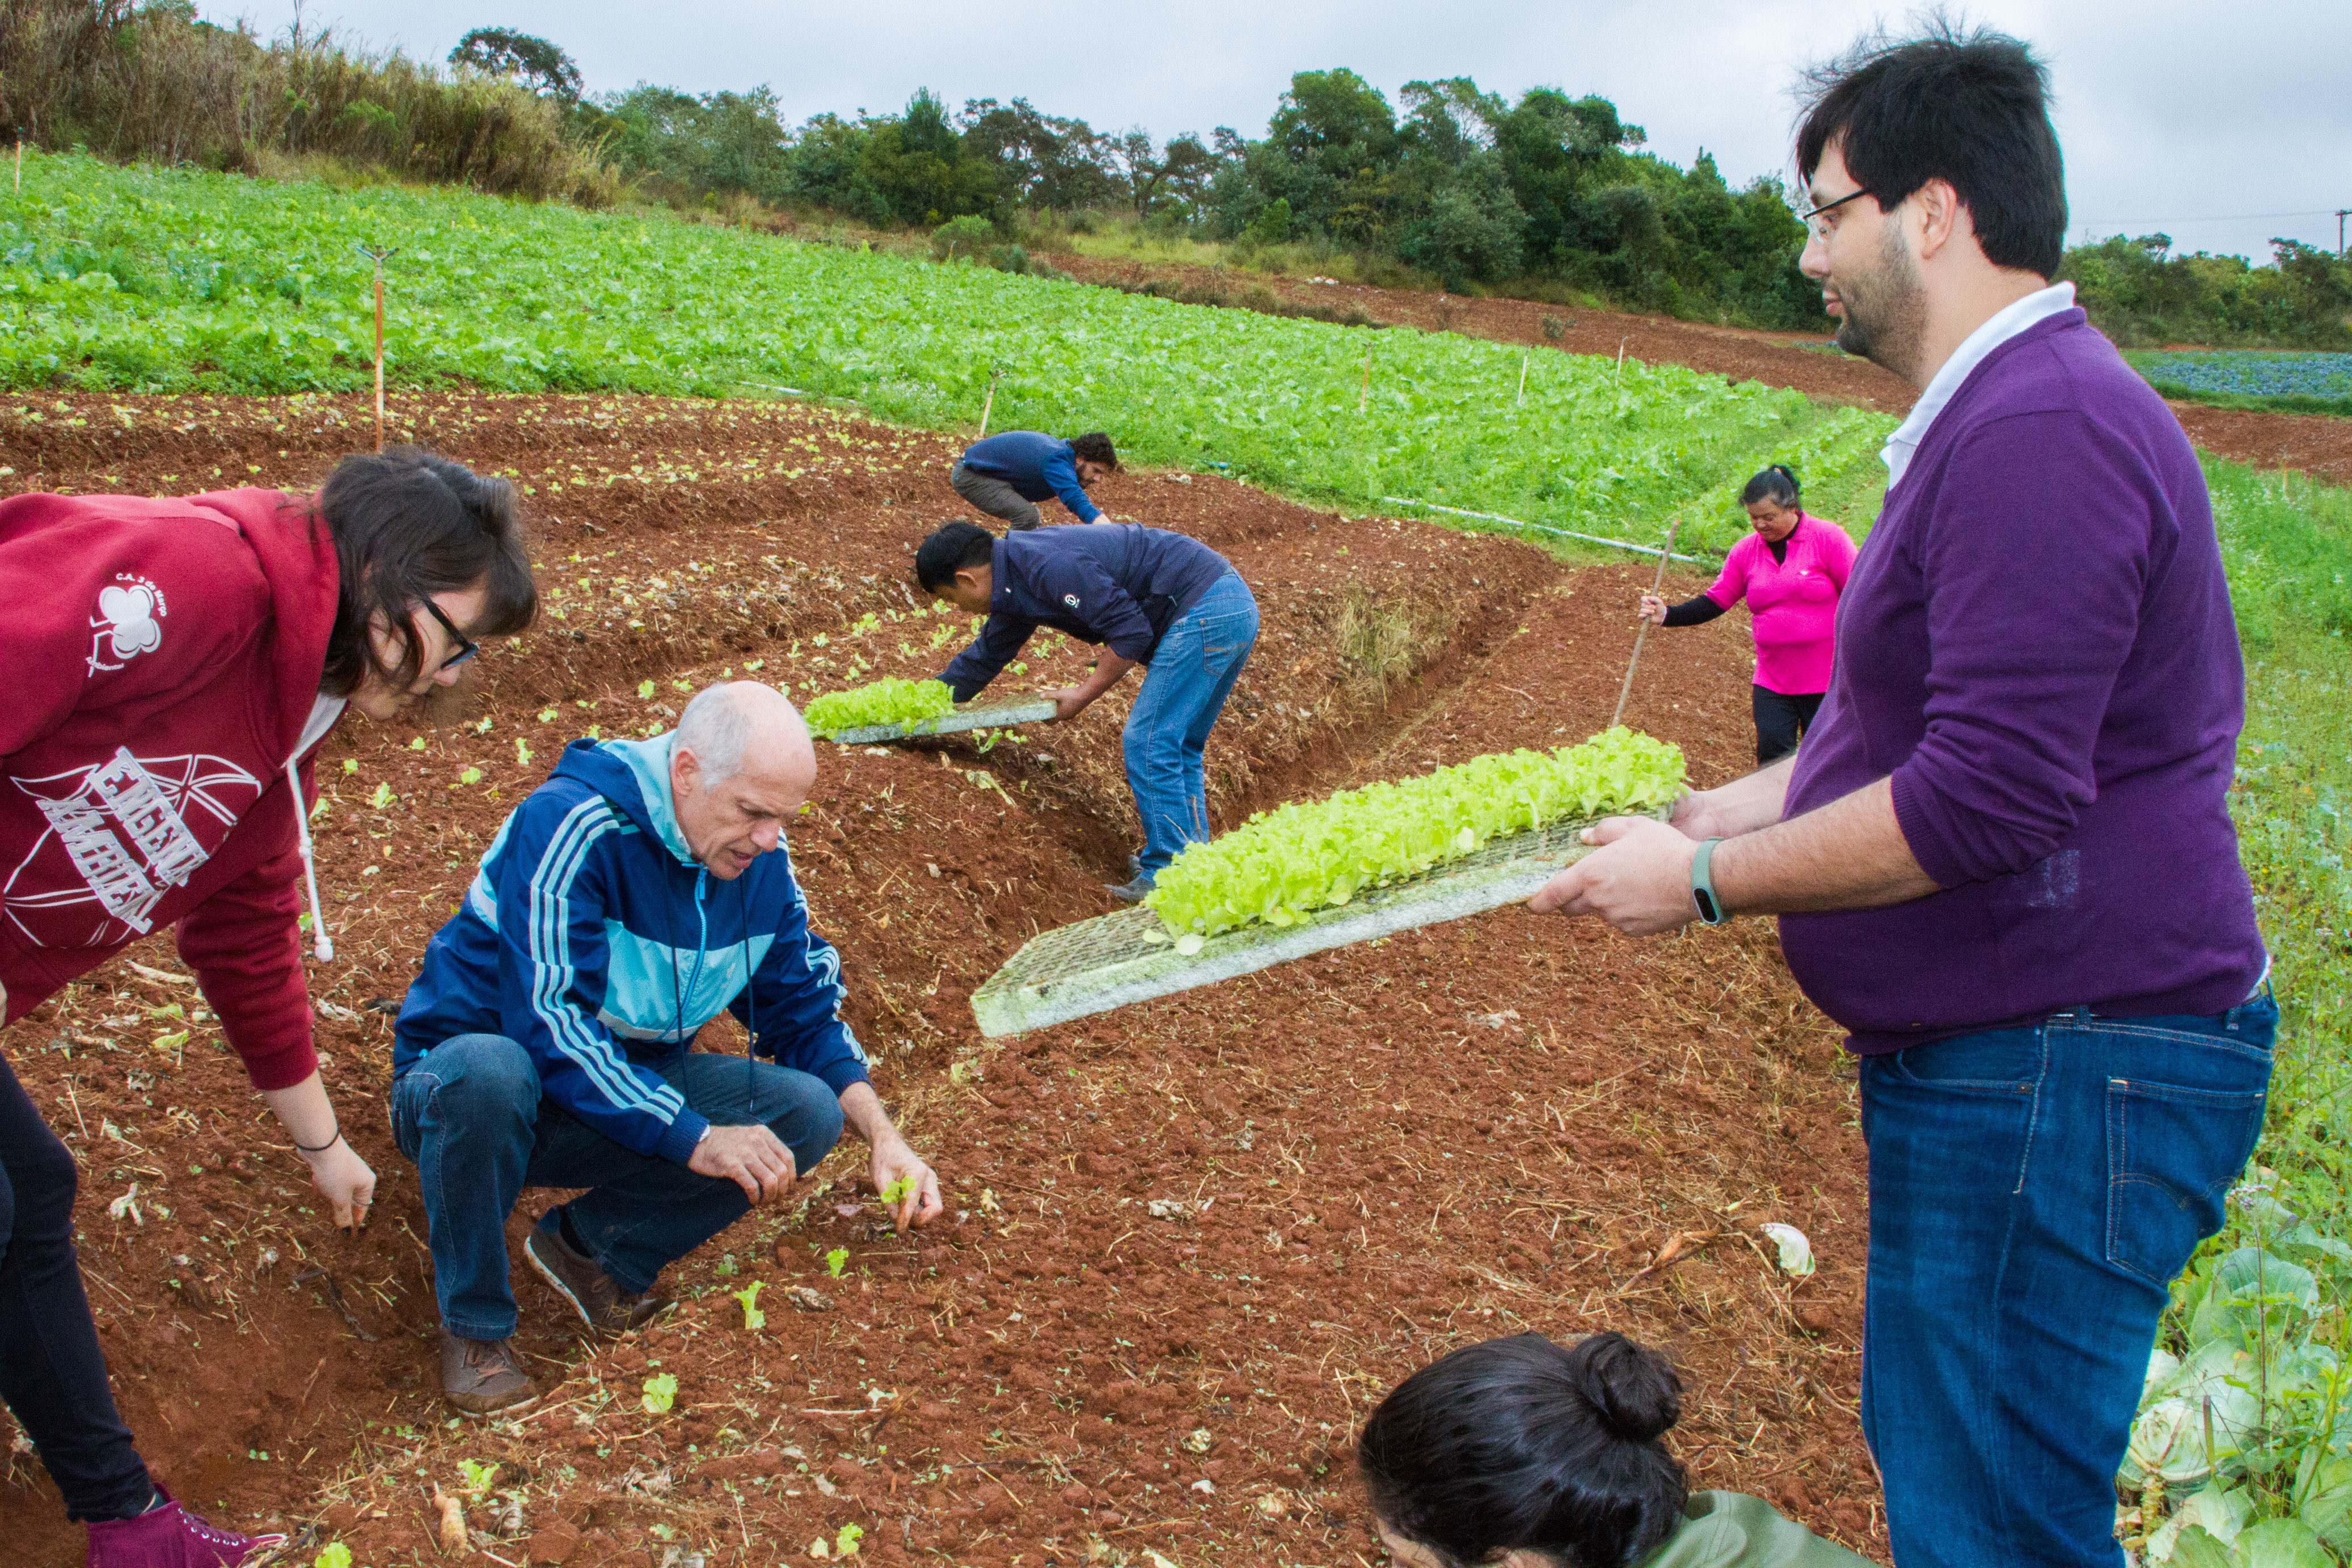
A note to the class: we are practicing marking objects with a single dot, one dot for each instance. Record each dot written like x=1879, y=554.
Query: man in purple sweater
x=2002, y=858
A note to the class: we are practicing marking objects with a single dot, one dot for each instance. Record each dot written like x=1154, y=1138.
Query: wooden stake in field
x=1620, y=359
x=20, y=165
x=379, y=257
x=1656, y=583
x=1364, y=392
x=1525, y=355
x=988, y=402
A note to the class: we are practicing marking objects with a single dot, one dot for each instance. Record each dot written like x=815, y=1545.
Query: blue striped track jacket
x=593, y=938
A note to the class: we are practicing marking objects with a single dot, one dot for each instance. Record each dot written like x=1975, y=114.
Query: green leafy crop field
x=144, y=279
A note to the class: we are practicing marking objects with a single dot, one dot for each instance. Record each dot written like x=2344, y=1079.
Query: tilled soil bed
x=1188, y=1243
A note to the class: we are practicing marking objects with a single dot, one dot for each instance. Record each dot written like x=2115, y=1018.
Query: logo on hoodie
x=122, y=826
x=129, y=623
x=1071, y=600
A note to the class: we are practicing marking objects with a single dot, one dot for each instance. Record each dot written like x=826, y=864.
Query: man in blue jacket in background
x=629, y=900
x=1153, y=598
x=1007, y=474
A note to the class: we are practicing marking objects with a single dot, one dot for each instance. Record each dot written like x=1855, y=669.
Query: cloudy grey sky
x=2220, y=124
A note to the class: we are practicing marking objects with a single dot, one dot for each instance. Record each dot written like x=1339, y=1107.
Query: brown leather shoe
x=479, y=1376
x=603, y=1305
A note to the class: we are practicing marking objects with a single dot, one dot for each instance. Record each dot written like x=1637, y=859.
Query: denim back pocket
x=2172, y=1152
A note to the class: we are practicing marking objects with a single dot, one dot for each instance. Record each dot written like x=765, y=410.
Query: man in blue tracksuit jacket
x=638, y=892
x=1154, y=598
x=1007, y=474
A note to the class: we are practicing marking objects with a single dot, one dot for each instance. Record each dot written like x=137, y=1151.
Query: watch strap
x=1702, y=897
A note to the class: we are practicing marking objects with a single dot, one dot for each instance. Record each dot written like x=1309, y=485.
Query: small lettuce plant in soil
x=1282, y=865
x=885, y=701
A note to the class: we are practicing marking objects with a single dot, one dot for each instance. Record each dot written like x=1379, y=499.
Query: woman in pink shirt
x=1790, y=570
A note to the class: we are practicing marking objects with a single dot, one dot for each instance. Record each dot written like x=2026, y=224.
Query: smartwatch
x=1710, y=908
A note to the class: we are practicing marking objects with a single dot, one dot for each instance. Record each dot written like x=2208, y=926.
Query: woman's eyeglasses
x=466, y=648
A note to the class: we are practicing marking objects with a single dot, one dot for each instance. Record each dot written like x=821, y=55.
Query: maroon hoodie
x=158, y=662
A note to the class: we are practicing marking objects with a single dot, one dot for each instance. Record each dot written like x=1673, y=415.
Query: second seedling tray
x=998, y=715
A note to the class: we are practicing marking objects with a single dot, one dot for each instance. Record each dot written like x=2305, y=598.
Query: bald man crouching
x=634, y=897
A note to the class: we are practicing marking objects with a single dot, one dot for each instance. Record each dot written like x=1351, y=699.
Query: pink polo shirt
x=1793, y=601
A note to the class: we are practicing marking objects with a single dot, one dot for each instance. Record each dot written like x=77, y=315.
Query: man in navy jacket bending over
x=1156, y=599
x=638, y=892
x=1008, y=474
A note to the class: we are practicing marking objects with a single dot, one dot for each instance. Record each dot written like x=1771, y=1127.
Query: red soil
x=1372, y=1156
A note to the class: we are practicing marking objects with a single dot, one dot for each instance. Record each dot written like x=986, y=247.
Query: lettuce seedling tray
x=1113, y=960
x=998, y=715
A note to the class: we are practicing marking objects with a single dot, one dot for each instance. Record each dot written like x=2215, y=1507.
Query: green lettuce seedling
x=1282, y=865
x=845, y=1539
x=753, y=1318
x=898, y=1192
x=661, y=1393
x=479, y=1476
x=885, y=701
x=836, y=1260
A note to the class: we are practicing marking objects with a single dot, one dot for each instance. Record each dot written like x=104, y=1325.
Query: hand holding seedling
x=896, y=1168
x=754, y=1158
x=909, y=1187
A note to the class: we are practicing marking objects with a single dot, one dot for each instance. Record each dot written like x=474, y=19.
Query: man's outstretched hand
x=1638, y=880
x=898, y=1169
x=754, y=1158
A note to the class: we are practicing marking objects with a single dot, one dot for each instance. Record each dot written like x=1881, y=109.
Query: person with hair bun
x=171, y=665
x=1790, y=570
x=1529, y=1454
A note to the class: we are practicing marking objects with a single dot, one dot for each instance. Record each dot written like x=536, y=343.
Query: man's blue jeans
x=1192, y=671
x=2032, y=1193
x=469, y=1113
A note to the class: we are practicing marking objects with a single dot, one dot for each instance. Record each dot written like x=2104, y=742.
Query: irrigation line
x=1542, y=528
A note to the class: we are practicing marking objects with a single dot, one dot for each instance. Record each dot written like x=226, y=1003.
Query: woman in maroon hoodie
x=171, y=665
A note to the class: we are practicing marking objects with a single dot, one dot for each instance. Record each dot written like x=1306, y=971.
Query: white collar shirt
x=2017, y=317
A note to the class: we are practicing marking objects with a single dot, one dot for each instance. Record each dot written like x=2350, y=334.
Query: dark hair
x=1971, y=108
x=952, y=545
x=1518, y=1444
x=408, y=524
x=1775, y=485
x=1095, y=447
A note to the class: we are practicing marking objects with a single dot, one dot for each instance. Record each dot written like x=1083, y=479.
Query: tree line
x=1547, y=194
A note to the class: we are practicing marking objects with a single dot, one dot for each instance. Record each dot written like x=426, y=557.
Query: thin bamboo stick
x=1634, y=662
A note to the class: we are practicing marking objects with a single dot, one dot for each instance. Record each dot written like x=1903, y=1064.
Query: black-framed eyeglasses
x=1854, y=196
x=466, y=647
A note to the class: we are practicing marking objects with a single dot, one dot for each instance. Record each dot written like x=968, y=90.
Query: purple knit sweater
x=2037, y=644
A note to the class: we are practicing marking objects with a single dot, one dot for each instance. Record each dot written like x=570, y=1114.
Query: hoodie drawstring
x=321, y=944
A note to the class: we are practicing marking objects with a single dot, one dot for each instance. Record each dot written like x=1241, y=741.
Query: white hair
x=717, y=728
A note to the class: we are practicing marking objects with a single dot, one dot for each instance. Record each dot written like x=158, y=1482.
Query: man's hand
x=917, y=1201
x=752, y=1158
x=344, y=1180
x=1638, y=880
x=898, y=1169
x=1068, y=703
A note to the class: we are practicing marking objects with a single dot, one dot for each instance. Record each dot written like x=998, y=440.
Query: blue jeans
x=1192, y=671
x=469, y=1113
x=2032, y=1193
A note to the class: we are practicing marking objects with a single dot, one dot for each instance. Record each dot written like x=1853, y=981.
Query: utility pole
x=2341, y=214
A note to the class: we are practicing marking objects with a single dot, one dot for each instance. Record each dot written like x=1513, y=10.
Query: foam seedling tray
x=1113, y=960
x=998, y=715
